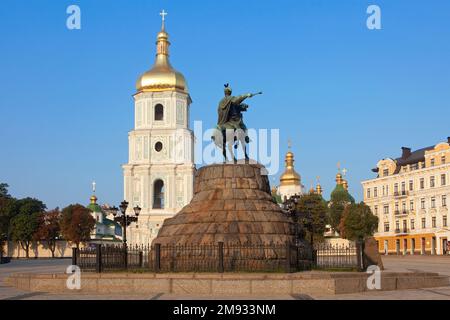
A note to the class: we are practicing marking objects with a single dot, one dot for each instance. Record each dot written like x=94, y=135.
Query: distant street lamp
x=290, y=205
x=123, y=219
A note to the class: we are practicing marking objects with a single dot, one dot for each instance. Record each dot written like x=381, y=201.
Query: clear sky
x=339, y=91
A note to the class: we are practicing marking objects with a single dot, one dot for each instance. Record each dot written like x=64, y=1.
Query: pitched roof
x=414, y=157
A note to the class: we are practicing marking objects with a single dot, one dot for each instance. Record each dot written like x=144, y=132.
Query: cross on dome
x=163, y=15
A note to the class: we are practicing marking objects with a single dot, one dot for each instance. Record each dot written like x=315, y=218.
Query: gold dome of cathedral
x=290, y=177
x=162, y=76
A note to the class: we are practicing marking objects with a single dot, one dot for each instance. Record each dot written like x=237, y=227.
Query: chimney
x=448, y=140
x=406, y=152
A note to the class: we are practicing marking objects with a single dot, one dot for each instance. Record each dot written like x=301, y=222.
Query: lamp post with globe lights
x=123, y=219
x=290, y=206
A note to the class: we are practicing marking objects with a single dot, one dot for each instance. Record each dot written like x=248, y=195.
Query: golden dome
x=319, y=189
x=162, y=76
x=274, y=190
x=345, y=184
x=93, y=199
x=311, y=190
x=339, y=179
x=290, y=177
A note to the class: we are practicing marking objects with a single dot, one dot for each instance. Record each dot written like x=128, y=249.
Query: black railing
x=338, y=256
x=219, y=257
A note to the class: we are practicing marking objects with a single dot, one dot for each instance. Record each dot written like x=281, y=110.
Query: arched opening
x=158, y=194
x=159, y=112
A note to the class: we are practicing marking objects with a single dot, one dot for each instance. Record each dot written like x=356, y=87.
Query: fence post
x=98, y=255
x=125, y=256
x=288, y=257
x=359, y=252
x=220, y=248
x=141, y=259
x=74, y=256
x=157, y=257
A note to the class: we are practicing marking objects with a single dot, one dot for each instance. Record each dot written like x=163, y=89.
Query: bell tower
x=160, y=170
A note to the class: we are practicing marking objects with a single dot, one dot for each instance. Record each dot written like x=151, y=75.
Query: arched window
x=159, y=112
x=158, y=194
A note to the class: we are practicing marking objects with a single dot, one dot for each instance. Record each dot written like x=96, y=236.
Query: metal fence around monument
x=328, y=256
x=218, y=257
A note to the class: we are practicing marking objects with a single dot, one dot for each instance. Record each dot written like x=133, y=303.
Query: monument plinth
x=232, y=204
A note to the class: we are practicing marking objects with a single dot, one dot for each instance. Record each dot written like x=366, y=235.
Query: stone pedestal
x=231, y=204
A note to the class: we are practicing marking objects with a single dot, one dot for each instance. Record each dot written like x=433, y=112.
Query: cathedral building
x=160, y=171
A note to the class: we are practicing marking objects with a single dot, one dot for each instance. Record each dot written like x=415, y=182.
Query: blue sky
x=339, y=91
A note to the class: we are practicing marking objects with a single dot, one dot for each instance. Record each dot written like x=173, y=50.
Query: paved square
x=439, y=264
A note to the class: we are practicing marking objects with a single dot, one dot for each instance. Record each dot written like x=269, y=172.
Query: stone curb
x=309, y=283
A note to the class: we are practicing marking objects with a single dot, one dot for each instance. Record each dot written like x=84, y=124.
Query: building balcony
x=401, y=212
x=401, y=231
x=401, y=194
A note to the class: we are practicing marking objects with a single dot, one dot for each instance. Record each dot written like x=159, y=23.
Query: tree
x=358, y=222
x=340, y=199
x=4, y=190
x=6, y=206
x=23, y=226
x=30, y=206
x=49, y=229
x=313, y=216
x=77, y=224
x=11, y=208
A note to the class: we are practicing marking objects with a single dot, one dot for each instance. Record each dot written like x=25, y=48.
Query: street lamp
x=290, y=205
x=123, y=219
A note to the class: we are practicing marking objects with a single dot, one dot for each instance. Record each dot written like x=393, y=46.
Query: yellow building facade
x=410, y=197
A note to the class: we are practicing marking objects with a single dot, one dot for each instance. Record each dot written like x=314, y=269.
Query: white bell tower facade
x=159, y=175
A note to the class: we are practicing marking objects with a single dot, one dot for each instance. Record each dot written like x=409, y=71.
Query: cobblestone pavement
x=392, y=263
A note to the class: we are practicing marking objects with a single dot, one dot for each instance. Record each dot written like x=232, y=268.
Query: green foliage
x=30, y=206
x=335, y=214
x=358, y=222
x=23, y=226
x=313, y=216
x=4, y=190
x=77, y=224
x=18, y=217
x=340, y=198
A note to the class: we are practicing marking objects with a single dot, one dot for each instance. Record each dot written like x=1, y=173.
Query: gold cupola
x=162, y=76
x=290, y=177
x=93, y=199
x=319, y=189
x=345, y=184
x=339, y=179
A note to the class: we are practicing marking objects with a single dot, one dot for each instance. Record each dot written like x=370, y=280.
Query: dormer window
x=385, y=172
